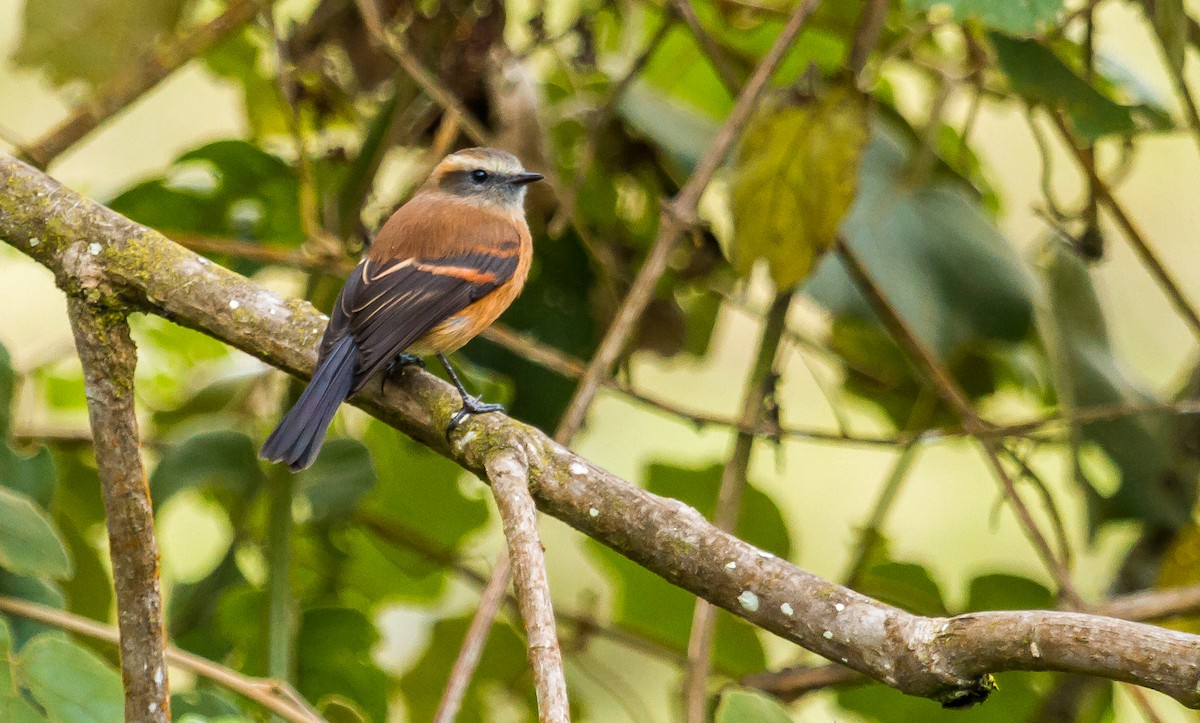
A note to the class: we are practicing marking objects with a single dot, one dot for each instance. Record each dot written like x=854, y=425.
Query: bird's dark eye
x=479, y=176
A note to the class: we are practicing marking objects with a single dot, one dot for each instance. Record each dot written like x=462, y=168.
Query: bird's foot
x=471, y=405
x=398, y=364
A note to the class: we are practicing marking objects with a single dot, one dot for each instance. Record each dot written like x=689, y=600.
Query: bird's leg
x=401, y=361
x=470, y=405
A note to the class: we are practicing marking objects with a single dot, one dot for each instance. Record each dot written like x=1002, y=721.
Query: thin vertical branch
x=510, y=484
x=1176, y=70
x=676, y=217
x=281, y=485
x=136, y=80
x=871, y=531
x=759, y=388
x=467, y=661
x=716, y=57
x=109, y=357
x=866, y=37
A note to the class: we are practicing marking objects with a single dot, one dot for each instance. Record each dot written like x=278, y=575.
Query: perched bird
x=441, y=270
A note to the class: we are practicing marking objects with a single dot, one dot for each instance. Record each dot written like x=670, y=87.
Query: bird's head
x=487, y=176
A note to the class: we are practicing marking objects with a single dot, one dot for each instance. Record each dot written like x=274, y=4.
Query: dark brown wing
x=386, y=306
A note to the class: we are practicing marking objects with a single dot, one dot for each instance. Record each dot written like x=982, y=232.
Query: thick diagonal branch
x=947, y=659
x=108, y=356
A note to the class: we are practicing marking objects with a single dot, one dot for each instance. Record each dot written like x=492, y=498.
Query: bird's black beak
x=522, y=179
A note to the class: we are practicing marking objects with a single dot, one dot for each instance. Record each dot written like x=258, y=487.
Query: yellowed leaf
x=795, y=177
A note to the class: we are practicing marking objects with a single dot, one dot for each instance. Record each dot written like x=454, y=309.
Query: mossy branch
x=93, y=250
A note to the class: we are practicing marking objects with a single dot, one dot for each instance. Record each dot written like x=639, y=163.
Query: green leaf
x=945, y=268
x=338, y=479
x=29, y=542
x=33, y=476
x=741, y=705
x=1088, y=374
x=904, y=584
x=92, y=41
x=679, y=130
x=203, y=705
x=35, y=590
x=1037, y=74
x=333, y=658
x=70, y=682
x=13, y=708
x=1170, y=21
x=224, y=463
x=794, y=180
x=227, y=189
x=1018, y=17
x=240, y=58
x=400, y=552
x=1008, y=592
x=503, y=665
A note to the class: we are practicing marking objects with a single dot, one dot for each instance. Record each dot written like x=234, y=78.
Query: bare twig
x=716, y=56
x=759, y=388
x=947, y=659
x=472, y=647
x=275, y=696
x=675, y=218
x=950, y=391
x=510, y=484
x=1176, y=71
x=870, y=25
x=1131, y=232
x=422, y=76
x=873, y=529
x=139, y=78
x=109, y=356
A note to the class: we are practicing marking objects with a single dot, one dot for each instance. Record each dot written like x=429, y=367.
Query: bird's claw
x=471, y=405
x=401, y=361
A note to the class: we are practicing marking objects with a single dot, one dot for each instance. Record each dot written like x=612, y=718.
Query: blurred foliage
x=336, y=137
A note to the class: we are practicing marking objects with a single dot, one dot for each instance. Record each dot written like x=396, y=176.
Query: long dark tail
x=301, y=432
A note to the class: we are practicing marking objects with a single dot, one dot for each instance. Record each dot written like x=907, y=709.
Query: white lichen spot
x=34, y=241
x=593, y=512
x=845, y=660
x=748, y=600
x=153, y=706
x=786, y=609
x=828, y=635
x=944, y=627
x=234, y=303
x=271, y=312
x=202, y=261
x=466, y=438
x=577, y=468
x=94, y=248
x=1034, y=650
x=839, y=607
x=731, y=565
x=158, y=676
x=323, y=317
x=765, y=555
